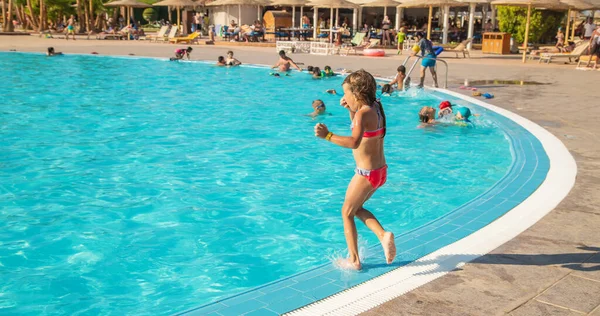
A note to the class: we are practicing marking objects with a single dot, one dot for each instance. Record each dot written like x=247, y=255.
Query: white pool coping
x=557, y=185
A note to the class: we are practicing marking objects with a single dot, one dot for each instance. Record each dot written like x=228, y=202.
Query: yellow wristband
x=328, y=137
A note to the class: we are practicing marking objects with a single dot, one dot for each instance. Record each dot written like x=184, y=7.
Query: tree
x=542, y=23
x=3, y=4
x=150, y=15
x=10, y=26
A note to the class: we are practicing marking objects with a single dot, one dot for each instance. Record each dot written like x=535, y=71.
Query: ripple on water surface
x=140, y=186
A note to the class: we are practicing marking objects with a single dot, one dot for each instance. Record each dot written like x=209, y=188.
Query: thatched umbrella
x=178, y=4
x=293, y=4
x=381, y=4
x=548, y=4
x=331, y=4
x=239, y=3
x=577, y=5
x=129, y=5
x=431, y=3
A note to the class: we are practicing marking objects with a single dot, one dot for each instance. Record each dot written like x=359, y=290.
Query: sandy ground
x=551, y=269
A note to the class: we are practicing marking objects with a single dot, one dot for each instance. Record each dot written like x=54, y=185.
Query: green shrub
x=542, y=27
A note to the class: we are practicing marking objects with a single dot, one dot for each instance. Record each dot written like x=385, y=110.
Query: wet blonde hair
x=364, y=88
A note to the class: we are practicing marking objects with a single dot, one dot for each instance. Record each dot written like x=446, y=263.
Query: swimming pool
x=140, y=185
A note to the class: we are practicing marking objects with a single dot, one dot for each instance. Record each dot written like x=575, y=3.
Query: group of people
x=448, y=113
x=254, y=32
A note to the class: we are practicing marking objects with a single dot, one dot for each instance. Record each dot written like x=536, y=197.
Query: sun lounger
x=589, y=60
x=461, y=48
x=172, y=34
x=187, y=39
x=161, y=33
x=118, y=35
x=372, y=43
x=576, y=53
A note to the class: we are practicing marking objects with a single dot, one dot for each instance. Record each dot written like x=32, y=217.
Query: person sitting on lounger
x=554, y=50
x=318, y=108
x=285, y=62
x=230, y=61
x=51, y=52
x=180, y=53
x=221, y=61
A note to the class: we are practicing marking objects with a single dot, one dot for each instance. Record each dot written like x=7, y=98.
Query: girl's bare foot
x=347, y=264
x=389, y=247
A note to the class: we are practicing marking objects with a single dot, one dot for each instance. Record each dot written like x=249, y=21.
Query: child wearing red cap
x=445, y=109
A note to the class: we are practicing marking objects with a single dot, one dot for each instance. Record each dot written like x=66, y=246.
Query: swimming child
x=427, y=115
x=463, y=114
x=230, y=61
x=387, y=89
x=51, y=52
x=331, y=91
x=445, y=109
x=310, y=69
x=221, y=61
x=399, y=79
x=328, y=72
x=317, y=73
x=318, y=108
x=180, y=53
x=367, y=144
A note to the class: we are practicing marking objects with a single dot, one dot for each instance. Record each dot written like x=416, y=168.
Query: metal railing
x=415, y=64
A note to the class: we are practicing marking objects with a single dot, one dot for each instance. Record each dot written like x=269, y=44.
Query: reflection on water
x=502, y=82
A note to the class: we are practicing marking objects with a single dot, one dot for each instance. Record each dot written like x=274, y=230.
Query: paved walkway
x=551, y=269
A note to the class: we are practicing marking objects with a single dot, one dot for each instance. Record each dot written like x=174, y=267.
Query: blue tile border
x=528, y=170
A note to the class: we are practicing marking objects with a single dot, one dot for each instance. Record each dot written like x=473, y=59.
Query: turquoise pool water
x=141, y=186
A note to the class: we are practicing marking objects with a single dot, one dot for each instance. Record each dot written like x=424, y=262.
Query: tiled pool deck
x=528, y=170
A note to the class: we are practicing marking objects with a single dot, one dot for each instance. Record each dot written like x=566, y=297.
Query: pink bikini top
x=378, y=132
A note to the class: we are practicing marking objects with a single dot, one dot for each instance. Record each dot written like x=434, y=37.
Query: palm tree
x=9, y=25
x=3, y=4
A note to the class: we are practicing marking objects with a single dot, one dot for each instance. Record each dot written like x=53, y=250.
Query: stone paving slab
x=589, y=269
x=575, y=293
x=536, y=308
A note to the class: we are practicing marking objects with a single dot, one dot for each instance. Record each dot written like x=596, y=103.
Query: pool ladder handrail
x=415, y=63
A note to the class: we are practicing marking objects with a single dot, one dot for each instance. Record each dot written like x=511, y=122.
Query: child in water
x=445, y=109
x=51, y=52
x=427, y=116
x=180, y=53
x=230, y=61
x=328, y=72
x=318, y=108
x=331, y=91
x=221, y=61
x=317, y=74
x=399, y=79
x=463, y=114
x=387, y=89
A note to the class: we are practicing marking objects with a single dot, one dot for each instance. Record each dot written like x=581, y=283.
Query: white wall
x=218, y=15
